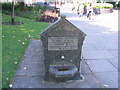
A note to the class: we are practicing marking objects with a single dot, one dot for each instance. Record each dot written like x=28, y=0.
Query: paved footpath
x=100, y=50
x=100, y=53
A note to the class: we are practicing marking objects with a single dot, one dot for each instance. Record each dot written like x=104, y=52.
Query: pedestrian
x=89, y=11
x=81, y=9
x=78, y=12
x=73, y=8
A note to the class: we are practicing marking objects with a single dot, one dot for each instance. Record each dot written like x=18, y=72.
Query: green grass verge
x=13, y=37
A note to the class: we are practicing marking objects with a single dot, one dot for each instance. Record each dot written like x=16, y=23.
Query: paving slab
x=89, y=40
x=114, y=61
x=100, y=66
x=35, y=45
x=97, y=38
x=30, y=69
x=106, y=46
x=34, y=56
x=108, y=79
x=34, y=82
x=114, y=53
x=88, y=47
x=85, y=68
x=89, y=81
x=97, y=54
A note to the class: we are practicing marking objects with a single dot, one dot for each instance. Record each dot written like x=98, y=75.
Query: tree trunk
x=13, y=17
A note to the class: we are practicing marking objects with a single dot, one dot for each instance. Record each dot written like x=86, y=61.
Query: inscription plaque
x=62, y=43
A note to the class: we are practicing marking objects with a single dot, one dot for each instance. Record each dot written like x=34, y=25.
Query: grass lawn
x=15, y=39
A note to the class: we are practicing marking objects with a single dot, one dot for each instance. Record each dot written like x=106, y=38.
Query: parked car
x=42, y=3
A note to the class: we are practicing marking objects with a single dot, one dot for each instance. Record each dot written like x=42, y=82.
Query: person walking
x=80, y=10
x=89, y=11
x=73, y=8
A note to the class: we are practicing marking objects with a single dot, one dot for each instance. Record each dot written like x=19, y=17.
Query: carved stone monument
x=62, y=42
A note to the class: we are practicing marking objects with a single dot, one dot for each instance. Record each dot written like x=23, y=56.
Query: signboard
x=62, y=43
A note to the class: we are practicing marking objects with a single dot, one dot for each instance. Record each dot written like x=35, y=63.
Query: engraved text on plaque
x=62, y=43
